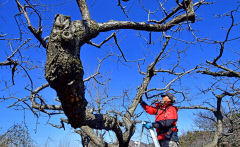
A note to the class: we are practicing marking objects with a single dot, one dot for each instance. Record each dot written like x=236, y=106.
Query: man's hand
x=147, y=125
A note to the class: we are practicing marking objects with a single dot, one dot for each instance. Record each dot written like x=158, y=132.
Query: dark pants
x=168, y=143
x=171, y=140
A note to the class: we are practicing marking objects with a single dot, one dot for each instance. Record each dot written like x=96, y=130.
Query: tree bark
x=219, y=127
x=64, y=70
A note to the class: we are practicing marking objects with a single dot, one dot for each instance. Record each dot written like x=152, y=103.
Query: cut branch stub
x=63, y=69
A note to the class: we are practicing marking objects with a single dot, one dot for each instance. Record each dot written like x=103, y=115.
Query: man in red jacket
x=165, y=120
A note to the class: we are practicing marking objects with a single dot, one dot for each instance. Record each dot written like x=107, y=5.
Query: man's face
x=165, y=99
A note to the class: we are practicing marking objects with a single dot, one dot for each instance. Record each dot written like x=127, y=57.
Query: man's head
x=168, y=97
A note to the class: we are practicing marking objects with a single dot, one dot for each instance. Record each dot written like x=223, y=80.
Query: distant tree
x=231, y=136
x=230, y=129
x=195, y=138
x=206, y=124
x=17, y=135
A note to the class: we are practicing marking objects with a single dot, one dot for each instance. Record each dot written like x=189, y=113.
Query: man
x=165, y=120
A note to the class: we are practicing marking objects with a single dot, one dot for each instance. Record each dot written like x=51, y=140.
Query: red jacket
x=166, y=119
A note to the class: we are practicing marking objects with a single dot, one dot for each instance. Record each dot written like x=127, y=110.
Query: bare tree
x=64, y=71
x=227, y=69
x=17, y=135
x=225, y=86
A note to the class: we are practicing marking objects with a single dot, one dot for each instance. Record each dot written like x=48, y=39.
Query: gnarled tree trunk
x=64, y=70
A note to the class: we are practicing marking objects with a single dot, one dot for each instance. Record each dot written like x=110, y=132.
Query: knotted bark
x=64, y=70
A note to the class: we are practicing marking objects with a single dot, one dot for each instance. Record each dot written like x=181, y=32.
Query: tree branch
x=92, y=135
x=220, y=73
x=146, y=80
x=36, y=32
x=35, y=105
x=84, y=9
x=196, y=107
x=112, y=25
x=98, y=69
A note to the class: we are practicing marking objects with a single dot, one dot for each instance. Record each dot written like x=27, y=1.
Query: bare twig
x=42, y=106
x=98, y=69
x=36, y=32
x=122, y=8
x=113, y=35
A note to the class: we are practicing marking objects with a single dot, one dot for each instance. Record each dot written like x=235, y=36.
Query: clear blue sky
x=122, y=77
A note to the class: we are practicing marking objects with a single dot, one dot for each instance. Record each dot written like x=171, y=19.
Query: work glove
x=147, y=125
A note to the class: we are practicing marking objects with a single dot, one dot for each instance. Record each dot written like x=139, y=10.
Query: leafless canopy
x=64, y=70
